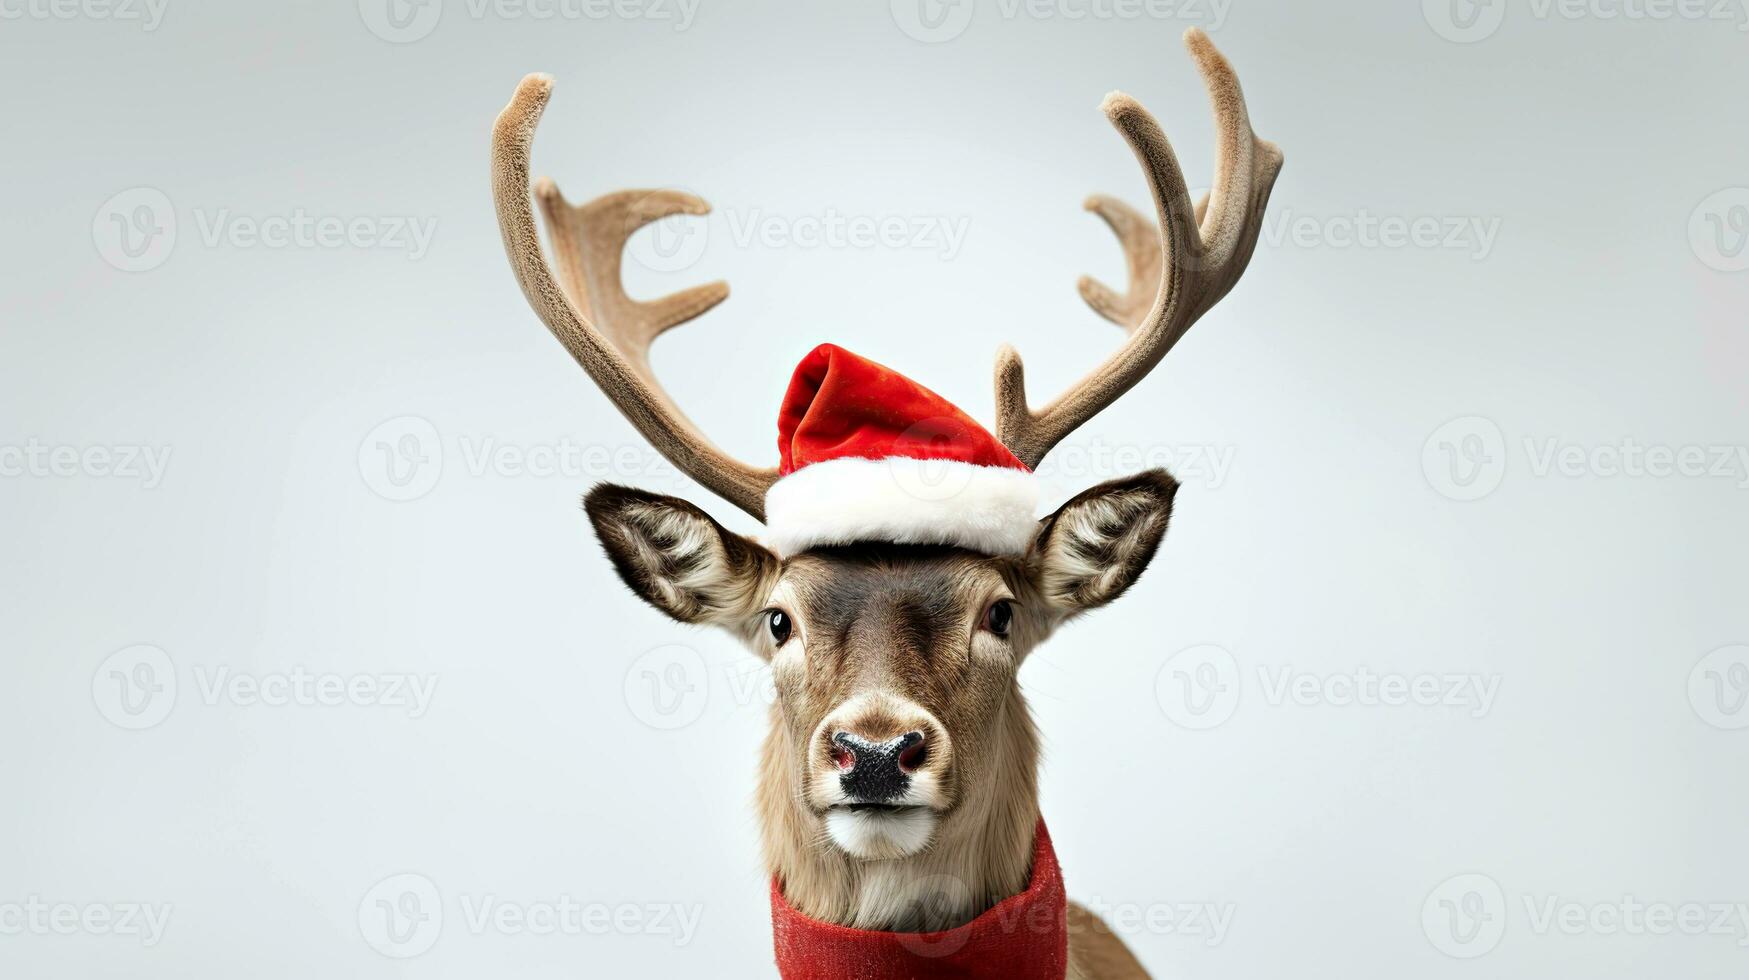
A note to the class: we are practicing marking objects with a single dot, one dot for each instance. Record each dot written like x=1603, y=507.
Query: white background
x=1593, y=158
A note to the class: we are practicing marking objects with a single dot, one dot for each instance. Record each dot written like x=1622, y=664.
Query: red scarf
x=1024, y=937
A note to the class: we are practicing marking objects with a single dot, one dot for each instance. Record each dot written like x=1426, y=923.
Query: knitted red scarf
x=1024, y=937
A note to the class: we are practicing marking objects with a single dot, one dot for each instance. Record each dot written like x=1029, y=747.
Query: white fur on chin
x=877, y=835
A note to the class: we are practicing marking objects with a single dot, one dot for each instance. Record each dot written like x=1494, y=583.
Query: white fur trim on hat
x=905, y=501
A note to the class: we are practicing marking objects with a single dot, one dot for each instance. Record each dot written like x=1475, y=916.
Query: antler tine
x=1201, y=253
x=1245, y=167
x=1140, y=238
x=589, y=241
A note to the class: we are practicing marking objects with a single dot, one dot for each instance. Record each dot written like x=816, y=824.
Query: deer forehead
x=898, y=620
x=842, y=595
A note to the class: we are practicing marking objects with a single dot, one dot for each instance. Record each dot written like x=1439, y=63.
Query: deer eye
x=999, y=617
x=778, y=622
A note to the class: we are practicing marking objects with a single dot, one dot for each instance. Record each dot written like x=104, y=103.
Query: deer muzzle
x=877, y=772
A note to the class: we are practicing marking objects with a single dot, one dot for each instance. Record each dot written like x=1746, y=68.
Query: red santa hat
x=870, y=455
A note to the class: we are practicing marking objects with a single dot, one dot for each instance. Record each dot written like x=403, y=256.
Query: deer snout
x=878, y=752
x=881, y=776
x=877, y=772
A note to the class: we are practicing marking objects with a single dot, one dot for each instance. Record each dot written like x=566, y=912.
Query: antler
x=1187, y=264
x=608, y=332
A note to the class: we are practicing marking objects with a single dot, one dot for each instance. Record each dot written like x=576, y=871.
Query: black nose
x=877, y=772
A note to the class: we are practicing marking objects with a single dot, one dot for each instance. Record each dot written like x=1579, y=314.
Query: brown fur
x=1096, y=953
x=901, y=620
x=890, y=641
x=898, y=633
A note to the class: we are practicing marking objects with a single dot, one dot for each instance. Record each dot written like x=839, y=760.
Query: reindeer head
x=894, y=663
x=899, y=732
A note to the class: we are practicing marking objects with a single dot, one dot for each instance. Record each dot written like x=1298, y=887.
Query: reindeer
x=901, y=754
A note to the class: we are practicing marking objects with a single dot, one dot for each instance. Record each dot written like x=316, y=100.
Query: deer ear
x=1096, y=545
x=676, y=558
